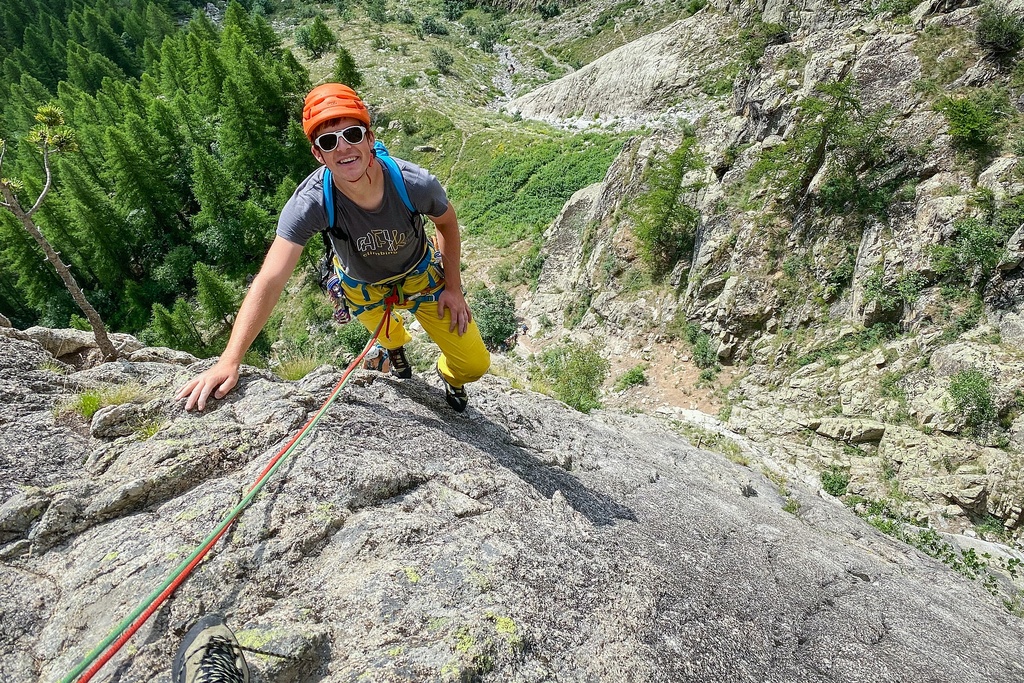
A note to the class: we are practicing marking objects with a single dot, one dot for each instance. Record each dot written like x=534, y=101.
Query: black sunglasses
x=328, y=141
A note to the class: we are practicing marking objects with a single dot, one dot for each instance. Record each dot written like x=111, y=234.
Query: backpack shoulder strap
x=329, y=197
x=329, y=203
x=396, y=174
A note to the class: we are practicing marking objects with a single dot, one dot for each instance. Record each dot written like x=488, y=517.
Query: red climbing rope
x=134, y=621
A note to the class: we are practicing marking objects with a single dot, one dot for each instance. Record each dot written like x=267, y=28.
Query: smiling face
x=347, y=162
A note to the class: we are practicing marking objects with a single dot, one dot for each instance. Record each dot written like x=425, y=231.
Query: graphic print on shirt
x=381, y=243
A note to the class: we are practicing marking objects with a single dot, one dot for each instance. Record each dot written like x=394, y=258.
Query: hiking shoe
x=400, y=366
x=209, y=654
x=457, y=397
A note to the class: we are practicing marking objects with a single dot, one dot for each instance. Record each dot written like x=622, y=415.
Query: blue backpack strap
x=329, y=197
x=396, y=174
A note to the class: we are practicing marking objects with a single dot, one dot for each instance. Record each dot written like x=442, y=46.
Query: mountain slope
x=518, y=542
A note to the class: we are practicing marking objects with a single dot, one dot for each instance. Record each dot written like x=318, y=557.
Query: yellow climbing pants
x=463, y=358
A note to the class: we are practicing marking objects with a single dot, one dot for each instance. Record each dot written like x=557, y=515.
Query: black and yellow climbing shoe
x=457, y=397
x=400, y=366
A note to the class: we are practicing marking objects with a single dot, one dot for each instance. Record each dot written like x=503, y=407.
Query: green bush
x=453, y=9
x=432, y=26
x=694, y=6
x=841, y=275
x=352, y=337
x=896, y=7
x=549, y=10
x=707, y=376
x=489, y=36
x=407, y=81
x=972, y=122
x=633, y=377
x=757, y=37
x=875, y=290
x=999, y=30
x=575, y=372
x=494, y=311
x=376, y=11
x=442, y=59
x=704, y=354
x=835, y=480
x=971, y=391
x=977, y=249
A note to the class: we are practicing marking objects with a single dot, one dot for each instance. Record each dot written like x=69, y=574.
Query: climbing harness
x=332, y=277
x=134, y=621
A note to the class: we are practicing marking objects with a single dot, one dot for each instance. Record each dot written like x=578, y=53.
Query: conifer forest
x=183, y=141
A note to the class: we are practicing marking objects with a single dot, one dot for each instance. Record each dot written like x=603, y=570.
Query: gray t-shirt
x=380, y=244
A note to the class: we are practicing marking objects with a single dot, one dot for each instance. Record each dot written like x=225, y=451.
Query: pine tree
x=162, y=116
x=345, y=70
x=294, y=77
x=97, y=225
x=236, y=18
x=36, y=280
x=135, y=32
x=27, y=95
x=264, y=85
x=265, y=40
x=317, y=39
x=218, y=299
x=86, y=69
x=177, y=329
x=212, y=73
x=159, y=23
x=138, y=173
x=247, y=145
x=41, y=51
x=234, y=232
x=52, y=136
x=173, y=77
x=104, y=41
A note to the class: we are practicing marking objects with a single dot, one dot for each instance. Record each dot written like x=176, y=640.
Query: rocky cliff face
x=520, y=541
x=765, y=283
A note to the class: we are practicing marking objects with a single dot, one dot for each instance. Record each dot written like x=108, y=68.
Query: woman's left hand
x=455, y=302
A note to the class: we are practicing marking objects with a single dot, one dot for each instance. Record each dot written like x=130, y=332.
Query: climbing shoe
x=457, y=397
x=210, y=654
x=400, y=366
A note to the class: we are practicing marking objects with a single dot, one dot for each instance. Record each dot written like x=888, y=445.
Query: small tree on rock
x=52, y=136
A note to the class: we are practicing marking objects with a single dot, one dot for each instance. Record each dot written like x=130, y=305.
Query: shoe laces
x=220, y=662
x=398, y=359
